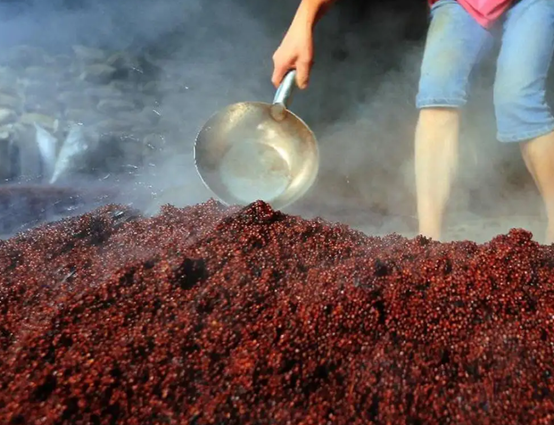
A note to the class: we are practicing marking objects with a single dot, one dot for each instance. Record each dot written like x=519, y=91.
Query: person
x=459, y=35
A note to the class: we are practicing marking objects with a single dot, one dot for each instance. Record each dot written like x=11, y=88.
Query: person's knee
x=448, y=58
x=516, y=99
x=441, y=88
x=521, y=111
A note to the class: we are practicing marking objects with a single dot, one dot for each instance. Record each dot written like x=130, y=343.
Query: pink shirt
x=485, y=12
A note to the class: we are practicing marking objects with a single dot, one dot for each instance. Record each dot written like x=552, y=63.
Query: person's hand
x=295, y=52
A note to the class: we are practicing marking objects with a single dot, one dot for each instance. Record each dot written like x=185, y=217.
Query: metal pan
x=253, y=151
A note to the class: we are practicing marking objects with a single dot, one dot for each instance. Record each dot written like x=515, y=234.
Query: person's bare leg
x=538, y=155
x=436, y=154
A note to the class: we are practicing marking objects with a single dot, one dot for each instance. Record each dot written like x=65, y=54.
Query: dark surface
x=23, y=206
x=210, y=316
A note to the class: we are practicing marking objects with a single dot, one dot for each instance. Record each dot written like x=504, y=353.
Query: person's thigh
x=523, y=64
x=455, y=44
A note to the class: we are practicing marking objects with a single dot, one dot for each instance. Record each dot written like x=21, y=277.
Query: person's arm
x=309, y=12
x=296, y=49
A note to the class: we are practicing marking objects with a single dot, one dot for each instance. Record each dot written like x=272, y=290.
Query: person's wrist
x=308, y=14
x=302, y=22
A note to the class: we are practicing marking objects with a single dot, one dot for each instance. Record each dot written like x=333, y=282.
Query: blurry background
x=141, y=77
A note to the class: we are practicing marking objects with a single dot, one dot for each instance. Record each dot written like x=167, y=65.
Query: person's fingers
x=280, y=68
x=303, y=68
x=278, y=75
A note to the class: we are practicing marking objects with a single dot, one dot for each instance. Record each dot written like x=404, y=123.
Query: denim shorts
x=456, y=43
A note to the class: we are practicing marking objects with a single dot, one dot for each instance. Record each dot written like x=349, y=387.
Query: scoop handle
x=283, y=96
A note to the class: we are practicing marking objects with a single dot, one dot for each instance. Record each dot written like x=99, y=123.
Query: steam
x=360, y=103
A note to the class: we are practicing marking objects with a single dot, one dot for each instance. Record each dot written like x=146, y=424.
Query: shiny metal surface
x=256, y=150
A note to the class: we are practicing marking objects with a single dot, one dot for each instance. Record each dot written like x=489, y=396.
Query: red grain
x=207, y=315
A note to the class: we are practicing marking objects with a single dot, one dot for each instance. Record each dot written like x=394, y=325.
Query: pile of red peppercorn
x=209, y=315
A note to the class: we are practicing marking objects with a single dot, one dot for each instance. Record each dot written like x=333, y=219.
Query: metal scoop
x=253, y=151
